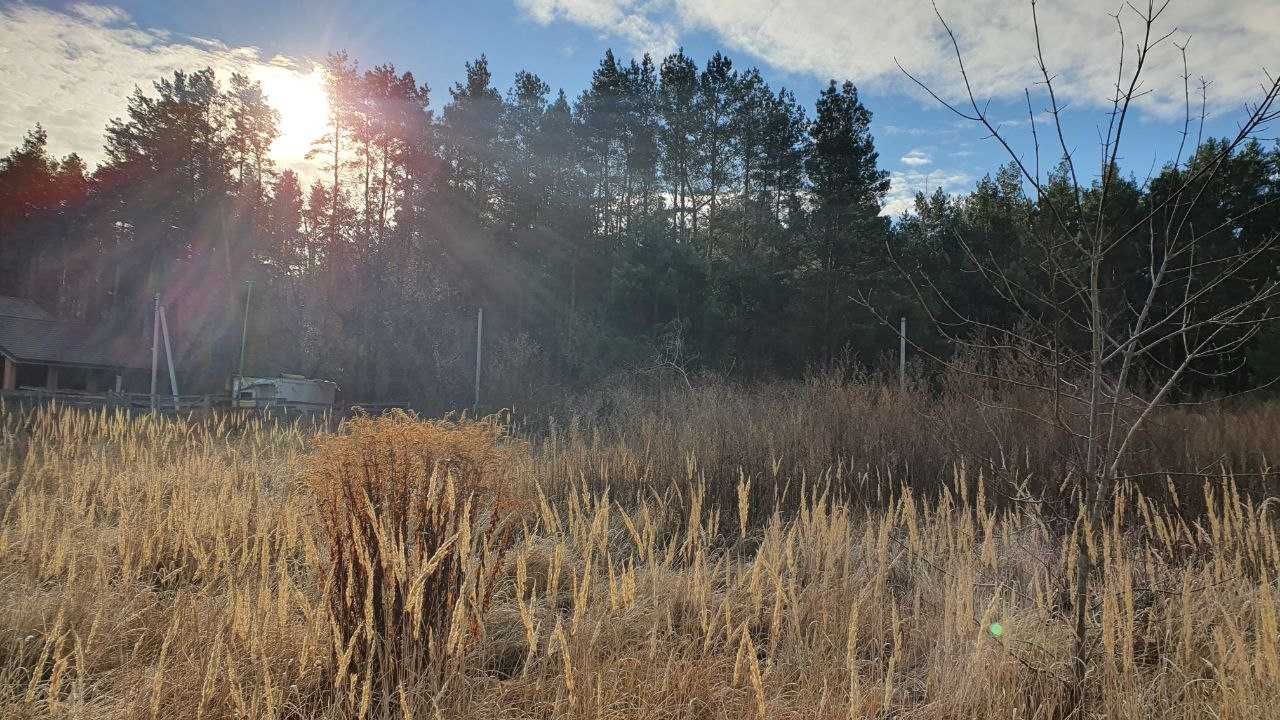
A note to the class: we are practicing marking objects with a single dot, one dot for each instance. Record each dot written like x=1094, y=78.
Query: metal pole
x=479, y=339
x=902, y=353
x=168, y=356
x=155, y=346
x=244, y=327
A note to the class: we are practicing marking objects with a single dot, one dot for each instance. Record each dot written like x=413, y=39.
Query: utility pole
x=902, y=353
x=168, y=356
x=244, y=327
x=155, y=345
x=479, y=340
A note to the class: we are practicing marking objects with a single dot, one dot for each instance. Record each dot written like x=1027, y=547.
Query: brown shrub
x=416, y=515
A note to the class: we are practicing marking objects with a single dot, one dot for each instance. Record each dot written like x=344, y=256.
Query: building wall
x=36, y=376
x=54, y=377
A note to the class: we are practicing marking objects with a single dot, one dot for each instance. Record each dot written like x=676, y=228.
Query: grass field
x=625, y=567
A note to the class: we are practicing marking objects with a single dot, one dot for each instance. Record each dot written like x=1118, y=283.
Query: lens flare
x=303, y=103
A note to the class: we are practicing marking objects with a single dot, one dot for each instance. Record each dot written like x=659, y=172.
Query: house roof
x=12, y=307
x=29, y=334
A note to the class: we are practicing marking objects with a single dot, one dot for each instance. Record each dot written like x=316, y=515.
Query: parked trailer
x=286, y=390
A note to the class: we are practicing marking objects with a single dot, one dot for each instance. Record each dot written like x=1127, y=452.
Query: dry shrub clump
x=225, y=567
x=417, y=516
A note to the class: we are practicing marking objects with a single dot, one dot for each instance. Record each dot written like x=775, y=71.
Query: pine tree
x=340, y=83
x=26, y=193
x=471, y=126
x=717, y=108
x=846, y=229
x=569, y=225
x=254, y=126
x=679, y=137
x=524, y=187
x=601, y=110
x=641, y=127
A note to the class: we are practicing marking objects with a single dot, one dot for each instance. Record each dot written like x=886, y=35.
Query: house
x=43, y=352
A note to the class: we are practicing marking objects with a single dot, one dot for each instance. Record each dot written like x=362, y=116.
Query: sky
x=71, y=65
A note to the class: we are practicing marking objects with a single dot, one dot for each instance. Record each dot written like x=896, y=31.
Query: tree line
x=673, y=216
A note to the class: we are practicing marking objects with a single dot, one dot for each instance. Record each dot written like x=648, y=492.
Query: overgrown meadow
x=818, y=549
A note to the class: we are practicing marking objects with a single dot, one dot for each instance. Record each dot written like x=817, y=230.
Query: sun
x=303, y=103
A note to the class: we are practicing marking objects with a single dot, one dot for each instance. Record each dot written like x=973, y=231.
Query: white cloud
x=904, y=184
x=916, y=158
x=73, y=71
x=860, y=39
x=632, y=20
x=100, y=14
x=892, y=129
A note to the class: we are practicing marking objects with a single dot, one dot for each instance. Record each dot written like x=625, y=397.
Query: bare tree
x=671, y=354
x=1110, y=358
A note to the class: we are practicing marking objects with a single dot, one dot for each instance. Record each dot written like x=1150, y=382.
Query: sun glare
x=303, y=103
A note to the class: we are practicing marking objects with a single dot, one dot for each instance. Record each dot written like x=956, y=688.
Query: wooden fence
x=185, y=403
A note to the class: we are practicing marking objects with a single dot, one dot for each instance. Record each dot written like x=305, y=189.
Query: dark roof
x=29, y=334
x=12, y=307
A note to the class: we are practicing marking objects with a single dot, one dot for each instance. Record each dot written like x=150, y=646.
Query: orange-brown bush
x=417, y=516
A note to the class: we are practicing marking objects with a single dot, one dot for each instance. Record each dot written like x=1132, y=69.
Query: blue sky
x=70, y=65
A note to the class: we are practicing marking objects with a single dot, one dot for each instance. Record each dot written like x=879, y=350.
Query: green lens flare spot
x=996, y=629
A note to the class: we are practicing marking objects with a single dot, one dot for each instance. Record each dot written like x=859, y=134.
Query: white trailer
x=287, y=390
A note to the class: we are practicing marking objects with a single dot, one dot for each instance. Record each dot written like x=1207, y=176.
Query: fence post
x=902, y=353
x=479, y=339
x=155, y=346
x=244, y=326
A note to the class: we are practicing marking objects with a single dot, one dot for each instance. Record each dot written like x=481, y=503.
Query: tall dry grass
x=869, y=437
x=154, y=568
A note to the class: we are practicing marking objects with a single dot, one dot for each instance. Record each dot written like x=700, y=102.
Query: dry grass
x=878, y=438
x=163, y=569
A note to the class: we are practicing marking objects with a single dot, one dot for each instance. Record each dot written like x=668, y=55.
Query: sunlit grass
x=154, y=568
